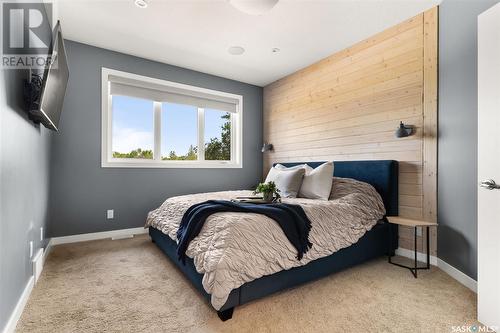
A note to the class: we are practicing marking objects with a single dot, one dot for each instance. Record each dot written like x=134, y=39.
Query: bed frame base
x=225, y=314
x=381, y=240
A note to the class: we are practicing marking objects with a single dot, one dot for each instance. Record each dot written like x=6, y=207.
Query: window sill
x=170, y=165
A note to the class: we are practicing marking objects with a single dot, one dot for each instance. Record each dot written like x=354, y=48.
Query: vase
x=267, y=196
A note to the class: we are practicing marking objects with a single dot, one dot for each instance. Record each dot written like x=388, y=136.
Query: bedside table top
x=409, y=222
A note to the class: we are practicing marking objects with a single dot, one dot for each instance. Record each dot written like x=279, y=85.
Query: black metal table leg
x=415, y=267
x=415, y=251
x=428, y=249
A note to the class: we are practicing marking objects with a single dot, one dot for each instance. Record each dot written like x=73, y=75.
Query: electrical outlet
x=31, y=249
x=41, y=233
x=110, y=214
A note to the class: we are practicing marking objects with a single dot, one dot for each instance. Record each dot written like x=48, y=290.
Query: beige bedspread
x=235, y=248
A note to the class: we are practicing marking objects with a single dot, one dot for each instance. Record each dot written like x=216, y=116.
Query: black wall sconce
x=404, y=130
x=267, y=147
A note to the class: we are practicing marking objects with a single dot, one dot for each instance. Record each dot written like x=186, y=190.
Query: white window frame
x=107, y=159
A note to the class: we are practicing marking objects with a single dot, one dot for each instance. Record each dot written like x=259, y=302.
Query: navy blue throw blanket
x=291, y=218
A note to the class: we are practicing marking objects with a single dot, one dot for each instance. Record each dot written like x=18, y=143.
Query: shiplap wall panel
x=348, y=106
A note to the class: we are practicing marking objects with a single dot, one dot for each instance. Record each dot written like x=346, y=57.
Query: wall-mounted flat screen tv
x=46, y=102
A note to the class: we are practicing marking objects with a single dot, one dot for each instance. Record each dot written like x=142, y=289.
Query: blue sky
x=133, y=125
x=178, y=127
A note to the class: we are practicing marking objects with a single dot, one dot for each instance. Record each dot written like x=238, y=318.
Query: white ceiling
x=197, y=34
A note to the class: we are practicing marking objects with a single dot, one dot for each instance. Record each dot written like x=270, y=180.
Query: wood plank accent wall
x=348, y=106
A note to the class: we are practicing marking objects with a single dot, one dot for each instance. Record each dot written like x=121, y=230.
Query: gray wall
x=82, y=191
x=24, y=189
x=24, y=183
x=457, y=167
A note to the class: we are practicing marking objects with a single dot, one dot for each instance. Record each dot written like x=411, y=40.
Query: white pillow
x=287, y=181
x=317, y=183
x=304, y=166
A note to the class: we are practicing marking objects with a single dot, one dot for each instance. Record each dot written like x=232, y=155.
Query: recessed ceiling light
x=141, y=3
x=236, y=50
x=275, y=50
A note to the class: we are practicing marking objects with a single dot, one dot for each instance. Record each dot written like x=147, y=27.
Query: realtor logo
x=26, y=34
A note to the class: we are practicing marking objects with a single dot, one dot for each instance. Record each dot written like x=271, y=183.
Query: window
x=179, y=125
x=133, y=135
x=154, y=123
x=217, y=135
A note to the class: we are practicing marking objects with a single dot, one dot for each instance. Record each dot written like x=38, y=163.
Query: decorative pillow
x=304, y=166
x=317, y=183
x=287, y=181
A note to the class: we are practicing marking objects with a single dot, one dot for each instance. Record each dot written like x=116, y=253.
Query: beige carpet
x=130, y=286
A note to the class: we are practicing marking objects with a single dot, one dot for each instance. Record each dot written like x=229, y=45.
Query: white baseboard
x=98, y=235
x=47, y=251
x=458, y=275
x=420, y=256
x=18, y=310
x=443, y=265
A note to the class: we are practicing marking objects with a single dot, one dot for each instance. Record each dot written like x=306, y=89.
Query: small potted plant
x=268, y=190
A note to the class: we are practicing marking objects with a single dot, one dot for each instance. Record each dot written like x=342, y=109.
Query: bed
x=380, y=240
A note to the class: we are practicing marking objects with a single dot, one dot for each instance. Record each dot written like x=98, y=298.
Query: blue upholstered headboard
x=382, y=174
